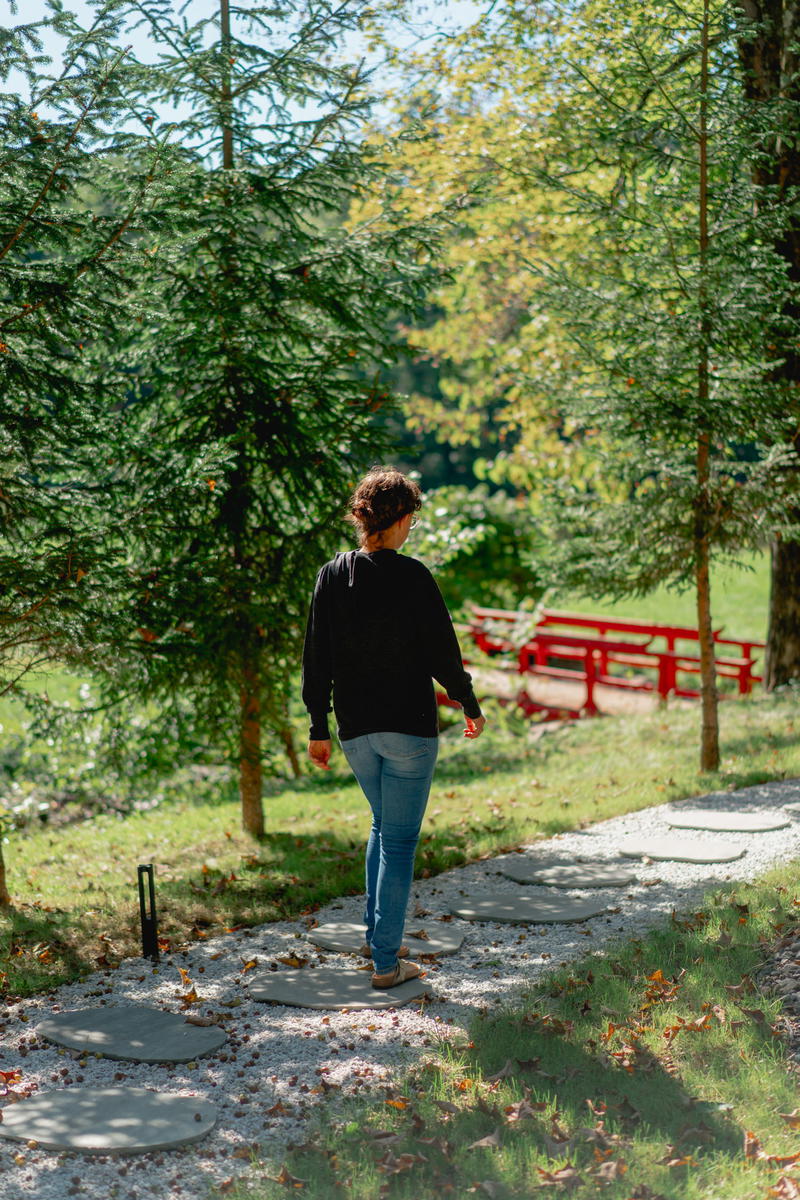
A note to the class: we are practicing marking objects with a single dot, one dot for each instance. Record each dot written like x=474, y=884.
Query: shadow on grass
x=287, y=875
x=41, y=948
x=579, y=1079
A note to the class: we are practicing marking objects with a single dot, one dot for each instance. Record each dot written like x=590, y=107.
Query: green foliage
x=482, y=546
x=256, y=372
x=76, y=198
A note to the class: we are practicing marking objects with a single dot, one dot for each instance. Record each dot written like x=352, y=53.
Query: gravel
x=280, y=1062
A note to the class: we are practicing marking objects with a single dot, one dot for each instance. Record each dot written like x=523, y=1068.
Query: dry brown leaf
x=293, y=960
x=756, y=1014
x=492, y=1140
x=785, y=1189
x=564, y=1177
x=792, y=1119
x=673, y=1158
x=507, y=1071
x=522, y=1109
x=446, y=1106
x=608, y=1171
x=290, y=1181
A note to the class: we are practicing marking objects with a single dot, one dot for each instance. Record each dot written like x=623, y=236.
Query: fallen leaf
x=491, y=1140
x=792, y=1119
x=385, y=1137
x=446, y=1106
x=294, y=960
x=288, y=1180
x=607, y=1172
x=673, y=1158
x=565, y=1177
x=506, y=1072
x=785, y=1189
x=279, y=1109
x=758, y=1015
x=740, y=989
x=522, y=1109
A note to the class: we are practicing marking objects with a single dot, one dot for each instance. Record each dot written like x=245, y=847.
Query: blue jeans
x=394, y=771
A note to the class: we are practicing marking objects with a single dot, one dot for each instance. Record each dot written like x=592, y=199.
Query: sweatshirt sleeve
x=443, y=651
x=317, y=672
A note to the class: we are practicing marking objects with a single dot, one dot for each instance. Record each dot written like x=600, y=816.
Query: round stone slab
x=348, y=938
x=327, y=987
x=527, y=910
x=737, y=821
x=678, y=849
x=566, y=874
x=135, y=1033
x=114, y=1120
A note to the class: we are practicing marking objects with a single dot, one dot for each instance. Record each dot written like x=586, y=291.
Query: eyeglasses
x=414, y=522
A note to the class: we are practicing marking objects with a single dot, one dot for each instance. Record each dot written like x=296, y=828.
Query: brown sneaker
x=402, y=972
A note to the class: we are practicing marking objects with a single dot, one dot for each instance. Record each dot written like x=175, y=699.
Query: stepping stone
x=527, y=910
x=134, y=1033
x=678, y=849
x=737, y=821
x=113, y=1120
x=327, y=987
x=348, y=938
x=566, y=874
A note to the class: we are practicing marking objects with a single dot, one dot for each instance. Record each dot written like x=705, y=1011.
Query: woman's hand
x=474, y=727
x=320, y=753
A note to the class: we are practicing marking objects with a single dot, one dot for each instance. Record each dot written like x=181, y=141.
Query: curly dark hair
x=383, y=497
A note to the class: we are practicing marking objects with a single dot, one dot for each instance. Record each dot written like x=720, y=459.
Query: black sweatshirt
x=378, y=630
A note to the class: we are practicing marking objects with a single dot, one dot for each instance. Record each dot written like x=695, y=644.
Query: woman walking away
x=378, y=631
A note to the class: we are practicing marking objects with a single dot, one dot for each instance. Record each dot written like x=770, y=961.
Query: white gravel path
x=280, y=1062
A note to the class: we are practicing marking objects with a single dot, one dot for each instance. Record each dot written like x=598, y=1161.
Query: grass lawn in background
x=739, y=601
x=75, y=886
x=648, y=1071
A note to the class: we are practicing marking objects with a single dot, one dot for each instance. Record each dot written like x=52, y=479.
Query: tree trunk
x=225, y=95
x=5, y=899
x=250, y=753
x=782, y=659
x=287, y=737
x=709, y=738
x=768, y=54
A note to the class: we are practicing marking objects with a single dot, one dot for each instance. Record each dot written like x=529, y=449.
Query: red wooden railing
x=546, y=649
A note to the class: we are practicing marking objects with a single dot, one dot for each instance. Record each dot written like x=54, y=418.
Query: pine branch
x=45, y=188
x=99, y=254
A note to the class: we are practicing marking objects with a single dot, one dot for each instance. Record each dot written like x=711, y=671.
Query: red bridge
x=640, y=656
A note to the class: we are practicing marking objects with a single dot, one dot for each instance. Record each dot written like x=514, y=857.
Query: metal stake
x=149, y=927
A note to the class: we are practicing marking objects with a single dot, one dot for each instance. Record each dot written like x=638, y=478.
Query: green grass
x=739, y=601
x=75, y=886
x=636, y=1073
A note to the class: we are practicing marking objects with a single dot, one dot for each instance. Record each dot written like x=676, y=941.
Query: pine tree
x=271, y=341
x=65, y=255
x=669, y=311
